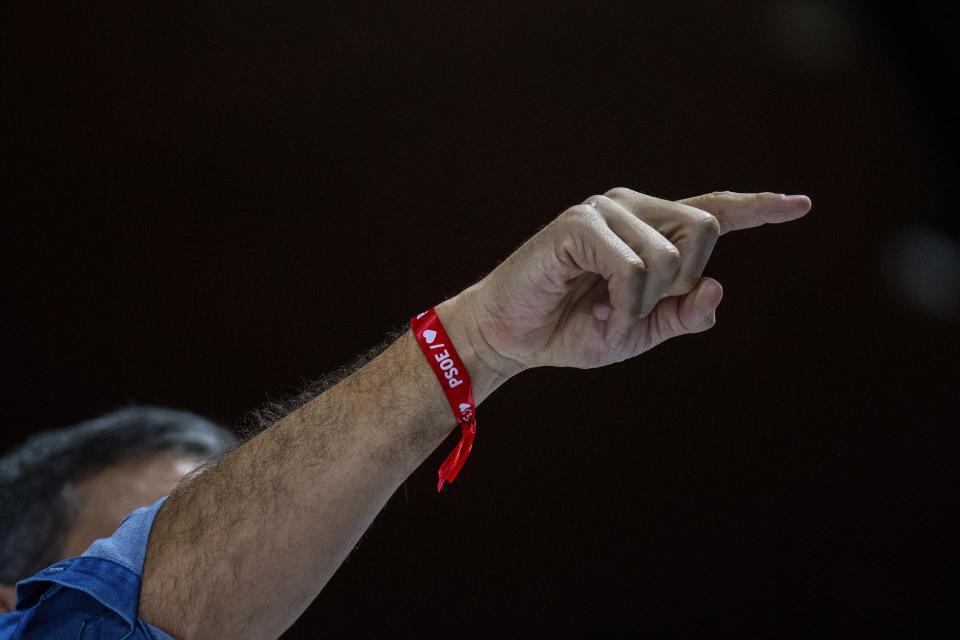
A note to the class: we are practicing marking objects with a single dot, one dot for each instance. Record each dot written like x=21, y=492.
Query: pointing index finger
x=737, y=211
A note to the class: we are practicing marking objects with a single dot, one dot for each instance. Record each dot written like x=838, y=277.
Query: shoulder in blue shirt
x=93, y=596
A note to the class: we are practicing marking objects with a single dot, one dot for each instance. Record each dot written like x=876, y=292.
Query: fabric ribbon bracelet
x=453, y=377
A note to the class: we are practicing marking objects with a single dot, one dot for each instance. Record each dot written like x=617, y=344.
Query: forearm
x=241, y=550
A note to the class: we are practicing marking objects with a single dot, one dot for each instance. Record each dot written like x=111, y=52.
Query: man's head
x=63, y=489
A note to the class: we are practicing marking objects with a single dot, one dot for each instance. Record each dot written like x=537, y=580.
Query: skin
x=106, y=497
x=241, y=550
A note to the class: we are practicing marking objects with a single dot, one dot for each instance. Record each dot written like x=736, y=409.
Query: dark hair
x=37, y=497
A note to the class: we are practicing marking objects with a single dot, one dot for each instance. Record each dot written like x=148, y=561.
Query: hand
x=610, y=279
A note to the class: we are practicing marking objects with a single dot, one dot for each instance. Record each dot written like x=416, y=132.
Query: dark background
x=208, y=203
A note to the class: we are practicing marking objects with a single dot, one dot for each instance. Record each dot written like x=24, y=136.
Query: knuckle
x=666, y=258
x=710, y=225
x=671, y=257
x=637, y=270
x=579, y=213
x=620, y=193
x=600, y=204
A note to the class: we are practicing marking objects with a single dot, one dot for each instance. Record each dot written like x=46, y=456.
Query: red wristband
x=455, y=380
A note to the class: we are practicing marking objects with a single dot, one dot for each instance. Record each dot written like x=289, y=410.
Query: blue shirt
x=93, y=596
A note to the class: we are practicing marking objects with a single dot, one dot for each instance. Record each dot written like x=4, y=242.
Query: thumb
x=690, y=313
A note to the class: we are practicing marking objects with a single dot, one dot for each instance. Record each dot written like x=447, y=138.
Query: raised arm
x=241, y=550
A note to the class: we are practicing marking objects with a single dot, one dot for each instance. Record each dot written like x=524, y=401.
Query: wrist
x=487, y=369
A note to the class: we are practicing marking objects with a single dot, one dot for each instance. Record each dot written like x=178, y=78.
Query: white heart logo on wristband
x=447, y=366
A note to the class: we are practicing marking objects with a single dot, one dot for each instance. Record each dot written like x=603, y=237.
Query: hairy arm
x=241, y=550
